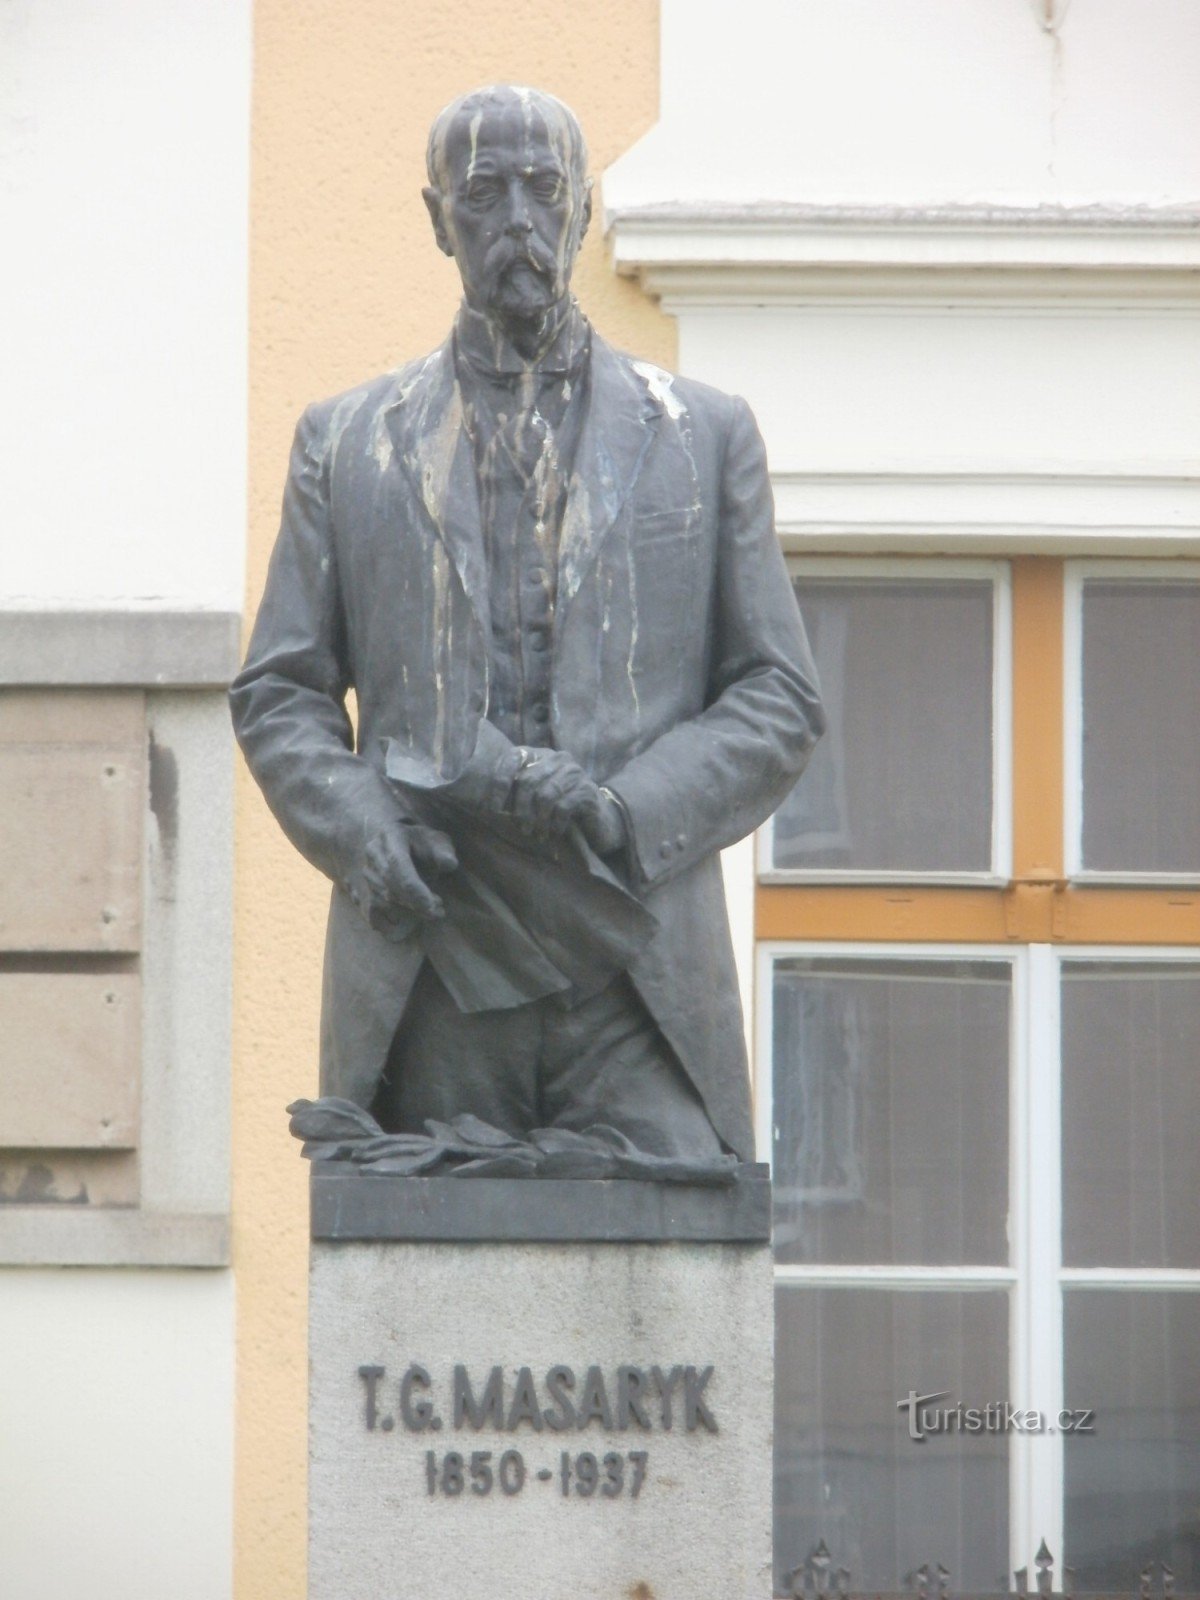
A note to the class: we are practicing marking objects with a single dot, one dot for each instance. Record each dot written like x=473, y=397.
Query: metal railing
x=818, y=1579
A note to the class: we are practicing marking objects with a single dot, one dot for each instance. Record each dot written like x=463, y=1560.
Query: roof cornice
x=689, y=253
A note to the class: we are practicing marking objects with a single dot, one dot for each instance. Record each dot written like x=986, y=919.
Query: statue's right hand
x=395, y=888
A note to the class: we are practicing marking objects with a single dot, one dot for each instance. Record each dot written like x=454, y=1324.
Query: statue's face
x=510, y=207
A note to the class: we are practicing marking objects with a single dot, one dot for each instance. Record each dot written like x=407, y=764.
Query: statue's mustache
x=506, y=254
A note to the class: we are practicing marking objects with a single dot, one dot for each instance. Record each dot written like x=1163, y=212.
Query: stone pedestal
x=539, y=1390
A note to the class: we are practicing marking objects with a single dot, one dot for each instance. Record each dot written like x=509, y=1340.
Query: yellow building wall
x=346, y=282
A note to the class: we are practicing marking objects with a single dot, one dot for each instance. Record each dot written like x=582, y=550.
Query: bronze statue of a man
x=550, y=575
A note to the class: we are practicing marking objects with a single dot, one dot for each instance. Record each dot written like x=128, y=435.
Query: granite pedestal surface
x=539, y=1389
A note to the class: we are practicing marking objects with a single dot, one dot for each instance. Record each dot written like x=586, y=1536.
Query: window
x=912, y=659
x=1131, y=1108
x=845, y=1471
x=980, y=1090
x=1134, y=706
x=1131, y=1253
x=1132, y=1490
x=886, y=1114
x=889, y=1109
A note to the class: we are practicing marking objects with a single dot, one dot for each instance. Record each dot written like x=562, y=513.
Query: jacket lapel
x=425, y=422
x=618, y=429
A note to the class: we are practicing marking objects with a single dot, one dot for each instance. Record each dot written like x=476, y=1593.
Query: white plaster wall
x=737, y=867
x=922, y=102
x=848, y=389
x=116, y=1391
x=124, y=157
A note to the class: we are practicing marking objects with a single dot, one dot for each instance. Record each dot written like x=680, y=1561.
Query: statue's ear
x=433, y=202
x=587, y=209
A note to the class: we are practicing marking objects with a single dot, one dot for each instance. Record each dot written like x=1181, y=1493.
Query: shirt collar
x=484, y=347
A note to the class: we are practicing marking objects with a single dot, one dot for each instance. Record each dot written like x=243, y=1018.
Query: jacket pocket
x=651, y=526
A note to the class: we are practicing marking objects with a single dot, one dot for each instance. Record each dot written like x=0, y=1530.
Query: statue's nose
x=519, y=220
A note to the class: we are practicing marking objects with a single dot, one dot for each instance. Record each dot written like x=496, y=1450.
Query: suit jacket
x=681, y=677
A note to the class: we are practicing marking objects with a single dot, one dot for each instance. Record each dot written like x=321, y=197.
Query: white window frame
x=1035, y=1276
x=1075, y=574
x=881, y=570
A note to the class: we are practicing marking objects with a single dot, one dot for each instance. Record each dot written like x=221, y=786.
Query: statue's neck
x=554, y=341
x=531, y=337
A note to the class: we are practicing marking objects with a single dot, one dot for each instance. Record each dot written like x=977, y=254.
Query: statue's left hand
x=551, y=793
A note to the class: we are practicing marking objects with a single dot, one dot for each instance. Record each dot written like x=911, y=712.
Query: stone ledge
x=132, y=648
x=43, y=1236
x=351, y=1206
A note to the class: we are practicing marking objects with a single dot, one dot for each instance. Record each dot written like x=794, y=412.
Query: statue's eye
x=547, y=186
x=482, y=191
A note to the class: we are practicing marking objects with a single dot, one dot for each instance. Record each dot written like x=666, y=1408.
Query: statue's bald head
x=453, y=124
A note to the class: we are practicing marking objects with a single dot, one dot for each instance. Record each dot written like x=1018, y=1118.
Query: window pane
x=903, y=778
x=1133, y=1486
x=1141, y=726
x=846, y=1470
x=1131, y=1116
x=890, y=1111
